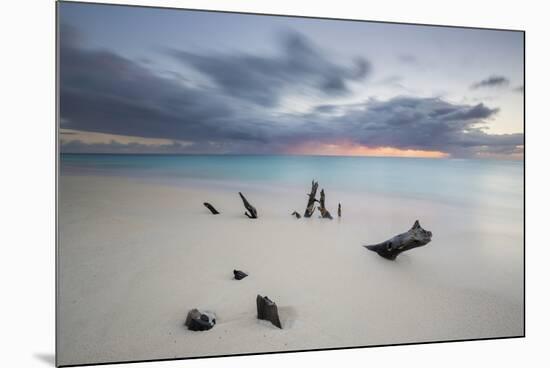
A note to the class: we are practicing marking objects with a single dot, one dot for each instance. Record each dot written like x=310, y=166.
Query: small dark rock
x=239, y=275
x=296, y=214
x=200, y=321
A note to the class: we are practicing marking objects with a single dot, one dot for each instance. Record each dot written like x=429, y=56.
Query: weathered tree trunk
x=252, y=213
x=310, y=208
x=390, y=249
x=296, y=214
x=324, y=212
x=211, y=208
x=339, y=210
x=267, y=310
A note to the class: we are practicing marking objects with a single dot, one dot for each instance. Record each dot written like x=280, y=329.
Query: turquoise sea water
x=459, y=181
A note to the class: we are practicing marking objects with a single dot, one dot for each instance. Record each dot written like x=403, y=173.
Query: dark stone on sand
x=239, y=275
x=200, y=321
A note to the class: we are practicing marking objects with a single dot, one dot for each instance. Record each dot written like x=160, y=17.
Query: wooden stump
x=310, y=208
x=252, y=213
x=211, y=208
x=414, y=238
x=324, y=212
x=267, y=310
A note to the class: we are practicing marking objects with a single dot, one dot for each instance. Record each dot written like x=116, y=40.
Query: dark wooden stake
x=324, y=212
x=267, y=310
x=211, y=208
x=339, y=210
x=310, y=208
x=252, y=213
x=414, y=238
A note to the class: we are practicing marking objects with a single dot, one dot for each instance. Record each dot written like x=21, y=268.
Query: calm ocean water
x=491, y=182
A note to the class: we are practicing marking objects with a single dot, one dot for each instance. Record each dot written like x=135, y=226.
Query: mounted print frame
x=237, y=183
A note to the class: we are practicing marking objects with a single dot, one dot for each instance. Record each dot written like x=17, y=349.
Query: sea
x=470, y=182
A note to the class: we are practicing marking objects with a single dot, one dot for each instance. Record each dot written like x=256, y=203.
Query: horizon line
x=284, y=154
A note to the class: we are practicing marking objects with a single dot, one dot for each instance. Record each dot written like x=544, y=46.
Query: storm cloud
x=101, y=91
x=422, y=124
x=104, y=92
x=492, y=81
x=264, y=79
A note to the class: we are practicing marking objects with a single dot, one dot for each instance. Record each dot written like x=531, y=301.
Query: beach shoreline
x=135, y=256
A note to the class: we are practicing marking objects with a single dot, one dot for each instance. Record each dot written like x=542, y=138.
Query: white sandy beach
x=136, y=256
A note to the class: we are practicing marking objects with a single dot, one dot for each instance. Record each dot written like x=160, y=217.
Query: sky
x=151, y=80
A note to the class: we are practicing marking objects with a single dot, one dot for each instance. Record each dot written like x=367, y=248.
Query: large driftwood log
x=211, y=208
x=415, y=237
x=310, y=208
x=324, y=212
x=252, y=213
x=267, y=310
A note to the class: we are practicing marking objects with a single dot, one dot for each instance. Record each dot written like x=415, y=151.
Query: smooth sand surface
x=135, y=256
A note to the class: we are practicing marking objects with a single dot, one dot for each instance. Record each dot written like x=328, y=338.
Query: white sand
x=134, y=257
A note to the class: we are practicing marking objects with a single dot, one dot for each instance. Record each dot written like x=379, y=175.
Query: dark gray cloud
x=492, y=81
x=264, y=79
x=422, y=124
x=101, y=91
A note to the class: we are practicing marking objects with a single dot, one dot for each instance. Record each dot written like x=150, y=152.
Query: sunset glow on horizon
x=350, y=149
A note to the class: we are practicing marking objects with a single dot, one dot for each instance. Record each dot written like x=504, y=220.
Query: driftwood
x=239, y=275
x=211, y=208
x=267, y=310
x=415, y=237
x=339, y=210
x=200, y=321
x=296, y=214
x=324, y=212
x=252, y=213
x=310, y=208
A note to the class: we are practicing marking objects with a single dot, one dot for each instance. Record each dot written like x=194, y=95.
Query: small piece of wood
x=414, y=238
x=200, y=321
x=339, y=210
x=324, y=212
x=252, y=213
x=310, y=208
x=211, y=208
x=239, y=275
x=296, y=214
x=267, y=310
